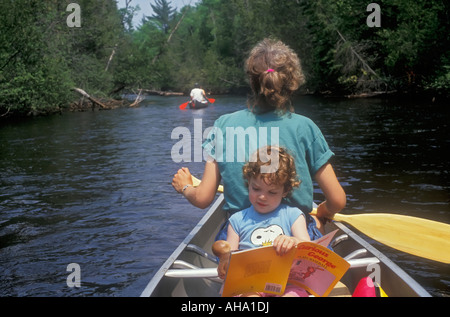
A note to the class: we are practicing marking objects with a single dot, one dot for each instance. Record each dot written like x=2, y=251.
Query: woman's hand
x=202, y=195
x=283, y=244
x=323, y=214
x=182, y=178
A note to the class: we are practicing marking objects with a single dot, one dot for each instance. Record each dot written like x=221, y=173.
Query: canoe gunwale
x=148, y=291
x=387, y=264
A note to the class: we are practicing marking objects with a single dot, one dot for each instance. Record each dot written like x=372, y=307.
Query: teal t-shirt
x=238, y=135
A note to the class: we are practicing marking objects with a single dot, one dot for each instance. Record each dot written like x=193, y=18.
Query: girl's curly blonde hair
x=275, y=73
x=283, y=174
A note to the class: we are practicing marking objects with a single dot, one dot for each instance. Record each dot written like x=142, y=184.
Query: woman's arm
x=335, y=199
x=203, y=195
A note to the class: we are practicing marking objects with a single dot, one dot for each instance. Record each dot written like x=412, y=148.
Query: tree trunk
x=95, y=101
x=170, y=37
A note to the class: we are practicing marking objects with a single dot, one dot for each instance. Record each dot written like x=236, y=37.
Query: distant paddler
x=198, y=98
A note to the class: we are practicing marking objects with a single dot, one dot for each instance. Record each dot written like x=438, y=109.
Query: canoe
x=195, y=105
x=190, y=271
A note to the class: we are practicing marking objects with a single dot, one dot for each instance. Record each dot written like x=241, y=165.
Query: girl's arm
x=232, y=238
x=299, y=230
x=335, y=199
x=284, y=244
x=233, y=242
x=203, y=195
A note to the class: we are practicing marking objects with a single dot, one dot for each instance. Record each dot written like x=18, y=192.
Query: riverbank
x=83, y=101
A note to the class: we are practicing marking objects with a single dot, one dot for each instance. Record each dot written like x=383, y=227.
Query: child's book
x=311, y=265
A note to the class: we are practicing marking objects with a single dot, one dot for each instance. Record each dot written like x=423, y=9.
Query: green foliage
x=41, y=58
x=33, y=75
x=339, y=52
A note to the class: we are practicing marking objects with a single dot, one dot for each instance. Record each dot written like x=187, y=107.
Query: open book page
x=316, y=268
x=326, y=239
x=310, y=265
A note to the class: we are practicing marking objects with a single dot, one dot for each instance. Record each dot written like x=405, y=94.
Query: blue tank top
x=256, y=230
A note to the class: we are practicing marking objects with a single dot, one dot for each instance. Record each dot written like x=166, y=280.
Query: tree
x=34, y=72
x=163, y=14
x=127, y=14
x=414, y=41
x=42, y=58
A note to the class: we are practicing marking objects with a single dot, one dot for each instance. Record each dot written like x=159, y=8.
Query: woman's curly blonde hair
x=275, y=73
x=283, y=173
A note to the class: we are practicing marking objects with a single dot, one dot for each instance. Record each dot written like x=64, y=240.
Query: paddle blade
x=196, y=182
x=421, y=237
x=184, y=105
x=212, y=100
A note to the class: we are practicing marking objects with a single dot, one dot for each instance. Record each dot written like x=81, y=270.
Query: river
x=93, y=188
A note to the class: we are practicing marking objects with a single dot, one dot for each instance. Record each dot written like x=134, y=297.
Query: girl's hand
x=222, y=250
x=223, y=266
x=283, y=244
x=182, y=178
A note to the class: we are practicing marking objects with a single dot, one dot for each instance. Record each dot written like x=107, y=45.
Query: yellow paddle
x=421, y=237
x=425, y=238
x=197, y=182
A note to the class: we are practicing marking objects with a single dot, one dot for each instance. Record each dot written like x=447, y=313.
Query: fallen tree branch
x=358, y=56
x=111, y=57
x=229, y=82
x=162, y=93
x=370, y=94
x=138, y=100
x=9, y=108
x=95, y=101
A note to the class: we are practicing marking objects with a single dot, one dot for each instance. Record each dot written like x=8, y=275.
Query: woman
x=275, y=74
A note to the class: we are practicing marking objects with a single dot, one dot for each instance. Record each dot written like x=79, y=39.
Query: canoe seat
x=196, y=249
x=182, y=269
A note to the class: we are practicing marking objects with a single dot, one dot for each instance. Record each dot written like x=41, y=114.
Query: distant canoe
x=195, y=105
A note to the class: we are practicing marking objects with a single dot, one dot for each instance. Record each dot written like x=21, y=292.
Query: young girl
x=268, y=221
x=274, y=73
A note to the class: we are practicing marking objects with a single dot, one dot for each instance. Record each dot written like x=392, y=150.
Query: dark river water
x=93, y=188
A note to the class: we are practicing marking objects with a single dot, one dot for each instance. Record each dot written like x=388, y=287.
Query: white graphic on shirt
x=266, y=236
